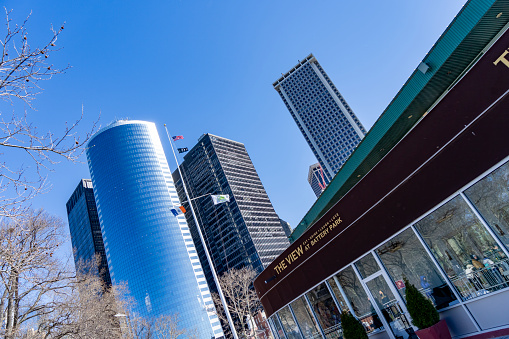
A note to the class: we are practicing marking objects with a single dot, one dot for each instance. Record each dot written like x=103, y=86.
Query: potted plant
x=424, y=315
x=352, y=328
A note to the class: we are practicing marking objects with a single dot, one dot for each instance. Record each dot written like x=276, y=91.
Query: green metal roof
x=462, y=43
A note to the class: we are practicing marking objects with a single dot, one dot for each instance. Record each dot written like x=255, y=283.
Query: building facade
x=245, y=231
x=437, y=216
x=328, y=124
x=316, y=179
x=146, y=245
x=86, y=236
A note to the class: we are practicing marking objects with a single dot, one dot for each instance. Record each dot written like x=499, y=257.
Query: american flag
x=177, y=137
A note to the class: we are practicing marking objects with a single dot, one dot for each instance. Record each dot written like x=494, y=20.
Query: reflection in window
x=289, y=325
x=464, y=249
x=404, y=256
x=277, y=327
x=305, y=319
x=491, y=197
x=326, y=311
x=367, y=265
x=358, y=299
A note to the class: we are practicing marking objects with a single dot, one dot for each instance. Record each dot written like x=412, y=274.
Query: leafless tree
x=32, y=279
x=237, y=286
x=22, y=68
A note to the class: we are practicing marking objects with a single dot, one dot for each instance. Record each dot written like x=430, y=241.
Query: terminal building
x=425, y=196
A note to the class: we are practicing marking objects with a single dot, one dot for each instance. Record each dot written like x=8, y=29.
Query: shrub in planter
x=424, y=315
x=352, y=328
x=422, y=311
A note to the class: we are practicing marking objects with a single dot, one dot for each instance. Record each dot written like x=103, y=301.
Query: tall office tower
x=328, y=124
x=86, y=237
x=316, y=179
x=242, y=232
x=146, y=245
x=286, y=227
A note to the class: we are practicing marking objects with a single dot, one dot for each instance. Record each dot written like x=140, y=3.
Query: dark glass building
x=146, y=245
x=328, y=124
x=86, y=237
x=243, y=232
x=316, y=179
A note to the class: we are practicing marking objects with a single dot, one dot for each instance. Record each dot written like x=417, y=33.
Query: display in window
x=404, y=257
x=465, y=249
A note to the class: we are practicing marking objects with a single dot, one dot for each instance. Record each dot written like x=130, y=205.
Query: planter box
x=437, y=331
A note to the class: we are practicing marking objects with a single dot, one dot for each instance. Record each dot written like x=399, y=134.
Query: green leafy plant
x=352, y=328
x=422, y=311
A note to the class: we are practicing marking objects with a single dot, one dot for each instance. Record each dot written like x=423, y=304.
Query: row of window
x=456, y=253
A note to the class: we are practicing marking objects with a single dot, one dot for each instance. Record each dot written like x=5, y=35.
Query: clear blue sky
x=208, y=66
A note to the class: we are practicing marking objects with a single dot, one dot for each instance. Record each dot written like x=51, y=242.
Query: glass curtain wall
x=305, y=319
x=277, y=327
x=289, y=325
x=491, y=198
x=404, y=256
x=358, y=299
x=464, y=248
x=326, y=311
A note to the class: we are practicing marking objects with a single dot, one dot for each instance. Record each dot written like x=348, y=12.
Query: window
x=404, y=256
x=306, y=322
x=464, y=248
x=326, y=311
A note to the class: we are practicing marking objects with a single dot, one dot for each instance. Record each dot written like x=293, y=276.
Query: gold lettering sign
x=322, y=233
x=503, y=59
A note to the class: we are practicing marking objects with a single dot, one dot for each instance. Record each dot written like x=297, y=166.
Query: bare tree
x=31, y=278
x=237, y=286
x=22, y=68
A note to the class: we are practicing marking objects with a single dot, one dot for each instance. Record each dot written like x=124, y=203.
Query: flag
x=182, y=150
x=219, y=199
x=176, y=211
x=182, y=209
x=177, y=137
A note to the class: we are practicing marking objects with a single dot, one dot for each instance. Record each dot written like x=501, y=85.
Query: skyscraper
x=86, y=237
x=316, y=179
x=243, y=232
x=146, y=245
x=328, y=124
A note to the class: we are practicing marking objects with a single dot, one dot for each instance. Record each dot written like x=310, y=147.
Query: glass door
x=383, y=294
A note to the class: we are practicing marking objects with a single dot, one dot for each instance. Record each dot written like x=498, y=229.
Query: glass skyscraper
x=316, y=179
x=243, y=232
x=86, y=237
x=328, y=124
x=146, y=245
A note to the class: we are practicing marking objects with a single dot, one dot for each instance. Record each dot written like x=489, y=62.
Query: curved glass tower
x=146, y=245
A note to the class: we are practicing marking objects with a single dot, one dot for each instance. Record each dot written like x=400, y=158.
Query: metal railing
x=477, y=282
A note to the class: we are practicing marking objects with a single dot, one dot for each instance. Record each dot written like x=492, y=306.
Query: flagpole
x=209, y=259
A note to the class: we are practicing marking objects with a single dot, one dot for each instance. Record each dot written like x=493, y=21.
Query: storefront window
x=358, y=299
x=367, y=265
x=326, y=311
x=464, y=249
x=277, y=327
x=305, y=319
x=404, y=256
x=491, y=198
x=289, y=325
x=339, y=297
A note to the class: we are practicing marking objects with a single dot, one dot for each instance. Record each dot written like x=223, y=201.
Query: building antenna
x=209, y=259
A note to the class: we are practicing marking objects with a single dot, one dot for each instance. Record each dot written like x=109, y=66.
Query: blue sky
x=208, y=67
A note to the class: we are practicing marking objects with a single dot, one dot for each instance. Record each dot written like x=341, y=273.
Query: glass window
x=326, y=311
x=278, y=328
x=367, y=265
x=337, y=294
x=289, y=325
x=358, y=299
x=404, y=256
x=305, y=319
x=491, y=197
x=464, y=249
